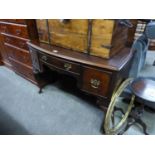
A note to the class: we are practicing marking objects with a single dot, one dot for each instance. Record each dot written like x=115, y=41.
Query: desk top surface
x=116, y=63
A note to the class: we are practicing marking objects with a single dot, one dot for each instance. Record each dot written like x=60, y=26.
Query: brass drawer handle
x=18, y=31
x=95, y=83
x=7, y=40
x=44, y=58
x=3, y=28
x=67, y=66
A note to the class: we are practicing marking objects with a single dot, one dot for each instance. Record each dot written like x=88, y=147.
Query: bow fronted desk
x=97, y=76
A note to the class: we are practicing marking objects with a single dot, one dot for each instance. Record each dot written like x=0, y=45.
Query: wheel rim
x=115, y=129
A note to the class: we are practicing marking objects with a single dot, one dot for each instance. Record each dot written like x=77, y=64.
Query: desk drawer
x=16, y=42
x=19, y=54
x=95, y=81
x=61, y=64
x=14, y=29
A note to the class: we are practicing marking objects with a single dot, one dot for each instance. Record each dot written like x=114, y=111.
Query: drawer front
x=95, y=81
x=18, y=21
x=13, y=29
x=61, y=64
x=22, y=69
x=20, y=55
x=16, y=42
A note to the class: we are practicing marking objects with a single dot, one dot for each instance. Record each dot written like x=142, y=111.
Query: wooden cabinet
x=98, y=37
x=14, y=35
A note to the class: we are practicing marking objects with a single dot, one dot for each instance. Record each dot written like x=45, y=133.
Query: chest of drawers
x=14, y=35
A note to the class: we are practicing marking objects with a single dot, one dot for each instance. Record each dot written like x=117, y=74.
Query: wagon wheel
x=118, y=112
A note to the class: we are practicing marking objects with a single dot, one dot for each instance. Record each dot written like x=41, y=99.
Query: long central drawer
x=61, y=64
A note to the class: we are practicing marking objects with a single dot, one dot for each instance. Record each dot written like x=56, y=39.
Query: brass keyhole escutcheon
x=44, y=58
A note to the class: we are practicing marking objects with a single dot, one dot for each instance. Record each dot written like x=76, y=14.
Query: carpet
x=58, y=110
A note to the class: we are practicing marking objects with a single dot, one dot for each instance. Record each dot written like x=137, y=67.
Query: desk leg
x=44, y=79
x=103, y=105
x=40, y=90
